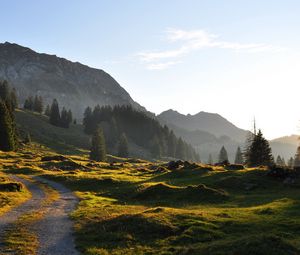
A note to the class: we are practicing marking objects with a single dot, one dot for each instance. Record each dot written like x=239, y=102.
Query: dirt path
x=54, y=230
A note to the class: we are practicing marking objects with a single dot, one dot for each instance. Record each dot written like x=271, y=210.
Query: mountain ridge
x=75, y=85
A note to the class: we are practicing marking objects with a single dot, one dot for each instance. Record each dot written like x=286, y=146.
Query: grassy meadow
x=140, y=207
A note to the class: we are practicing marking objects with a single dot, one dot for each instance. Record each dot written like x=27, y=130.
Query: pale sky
x=237, y=58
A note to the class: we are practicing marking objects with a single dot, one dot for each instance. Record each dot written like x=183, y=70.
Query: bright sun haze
x=239, y=59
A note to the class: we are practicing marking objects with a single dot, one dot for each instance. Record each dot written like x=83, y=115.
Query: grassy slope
x=257, y=214
x=67, y=141
x=9, y=199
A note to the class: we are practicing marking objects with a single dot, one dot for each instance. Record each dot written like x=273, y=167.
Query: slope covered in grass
x=136, y=208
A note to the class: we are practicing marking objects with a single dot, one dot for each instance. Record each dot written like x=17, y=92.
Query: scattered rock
x=11, y=186
x=53, y=158
x=234, y=167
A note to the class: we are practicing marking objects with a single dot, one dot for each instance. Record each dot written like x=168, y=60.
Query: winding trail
x=55, y=230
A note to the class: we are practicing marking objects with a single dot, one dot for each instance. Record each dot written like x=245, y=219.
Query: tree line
x=121, y=124
x=8, y=104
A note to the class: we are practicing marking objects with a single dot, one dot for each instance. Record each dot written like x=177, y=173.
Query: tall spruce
x=259, y=152
x=180, y=149
x=38, y=105
x=297, y=158
x=223, y=155
x=123, y=150
x=98, y=148
x=7, y=129
x=48, y=111
x=54, y=114
x=291, y=162
x=239, y=156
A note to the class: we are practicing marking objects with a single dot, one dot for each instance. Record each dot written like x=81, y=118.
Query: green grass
x=143, y=208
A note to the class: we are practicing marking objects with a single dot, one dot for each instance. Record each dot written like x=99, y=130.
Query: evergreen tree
x=54, y=114
x=291, y=162
x=64, y=121
x=98, y=149
x=13, y=99
x=48, y=111
x=180, y=149
x=4, y=90
x=223, y=155
x=283, y=161
x=297, y=158
x=70, y=117
x=260, y=152
x=239, y=156
x=7, y=129
x=171, y=144
x=27, y=139
x=279, y=161
x=156, y=148
x=38, y=105
x=29, y=104
x=88, y=120
x=123, y=150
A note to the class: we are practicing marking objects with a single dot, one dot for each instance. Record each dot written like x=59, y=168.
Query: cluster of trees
x=257, y=152
x=34, y=104
x=123, y=123
x=57, y=118
x=8, y=103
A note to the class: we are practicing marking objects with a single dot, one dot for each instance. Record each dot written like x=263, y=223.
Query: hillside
x=285, y=146
x=74, y=85
x=145, y=208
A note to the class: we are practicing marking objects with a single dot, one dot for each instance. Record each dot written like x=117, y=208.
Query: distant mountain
x=209, y=122
x=207, y=132
x=75, y=85
x=285, y=146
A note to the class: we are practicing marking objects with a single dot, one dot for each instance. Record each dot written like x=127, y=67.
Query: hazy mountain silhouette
x=285, y=146
x=75, y=85
x=209, y=122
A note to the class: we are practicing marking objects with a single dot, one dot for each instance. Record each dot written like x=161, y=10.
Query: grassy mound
x=260, y=244
x=198, y=193
x=125, y=229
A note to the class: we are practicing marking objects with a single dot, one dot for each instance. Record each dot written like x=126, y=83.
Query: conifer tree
x=291, y=162
x=13, y=99
x=123, y=150
x=48, y=111
x=88, y=120
x=29, y=104
x=4, y=90
x=239, y=156
x=171, y=144
x=7, y=129
x=280, y=161
x=297, y=158
x=54, y=114
x=156, y=148
x=180, y=149
x=223, y=155
x=260, y=152
x=64, y=122
x=70, y=117
x=27, y=139
x=98, y=149
x=38, y=104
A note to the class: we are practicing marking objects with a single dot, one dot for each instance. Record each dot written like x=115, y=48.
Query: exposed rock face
x=74, y=85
